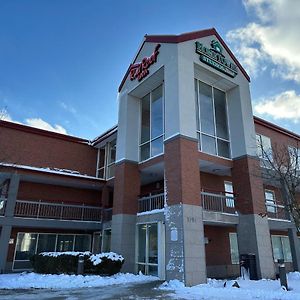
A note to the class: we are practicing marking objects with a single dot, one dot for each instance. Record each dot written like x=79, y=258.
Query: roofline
x=43, y=132
x=275, y=127
x=176, y=39
x=104, y=135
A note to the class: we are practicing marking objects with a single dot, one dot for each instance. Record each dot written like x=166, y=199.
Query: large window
x=212, y=123
x=152, y=129
x=264, y=149
x=270, y=201
x=106, y=160
x=29, y=244
x=281, y=248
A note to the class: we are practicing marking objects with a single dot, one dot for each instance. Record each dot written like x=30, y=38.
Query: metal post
x=282, y=273
x=80, y=266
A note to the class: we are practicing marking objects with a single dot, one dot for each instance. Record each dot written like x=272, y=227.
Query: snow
x=73, y=253
x=94, y=258
x=249, y=289
x=150, y=212
x=42, y=281
x=50, y=170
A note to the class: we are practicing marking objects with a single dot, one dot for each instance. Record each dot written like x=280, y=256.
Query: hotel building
x=174, y=187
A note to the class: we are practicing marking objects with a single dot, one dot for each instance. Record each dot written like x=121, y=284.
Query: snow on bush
x=67, y=262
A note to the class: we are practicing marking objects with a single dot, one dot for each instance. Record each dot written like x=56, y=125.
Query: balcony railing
x=218, y=202
x=276, y=211
x=61, y=211
x=152, y=202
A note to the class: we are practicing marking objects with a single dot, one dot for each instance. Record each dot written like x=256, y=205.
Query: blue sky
x=61, y=61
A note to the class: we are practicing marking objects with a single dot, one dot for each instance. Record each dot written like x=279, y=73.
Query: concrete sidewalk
x=134, y=291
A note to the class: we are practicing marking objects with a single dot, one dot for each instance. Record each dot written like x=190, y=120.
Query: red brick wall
x=182, y=171
x=213, y=183
x=54, y=193
x=248, y=186
x=127, y=188
x=217, y=250
x=38, y=150
x=154, y=188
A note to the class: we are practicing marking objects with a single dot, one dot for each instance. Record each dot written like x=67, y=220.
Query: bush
x=66, y=262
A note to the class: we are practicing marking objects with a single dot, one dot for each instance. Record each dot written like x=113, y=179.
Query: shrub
x=66, y=262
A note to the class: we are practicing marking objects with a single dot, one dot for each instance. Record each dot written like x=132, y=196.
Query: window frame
x=234, y=261
x=37, y=242
x=282, y=247
x=151, y=140
x=107, y=148
x=274, y=206
x=198, y=119
x=259, y=147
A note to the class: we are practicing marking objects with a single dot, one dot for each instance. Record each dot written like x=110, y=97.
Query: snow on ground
x=249, y=289
x=42, y=281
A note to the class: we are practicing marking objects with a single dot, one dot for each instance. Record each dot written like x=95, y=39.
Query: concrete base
x=185, y=248
x=254, y=237
x=123, y=239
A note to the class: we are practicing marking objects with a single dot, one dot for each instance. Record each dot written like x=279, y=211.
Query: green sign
x=215, y=58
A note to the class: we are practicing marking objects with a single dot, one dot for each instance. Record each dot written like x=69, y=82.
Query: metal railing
x=152, y=202
x=276, y=211
x=61, y=211
x=218, y=202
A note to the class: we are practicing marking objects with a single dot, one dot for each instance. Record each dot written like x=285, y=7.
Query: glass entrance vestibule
x=150, y=249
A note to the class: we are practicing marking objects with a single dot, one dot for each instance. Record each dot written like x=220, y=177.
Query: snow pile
x=40, y=281
x=73, y=253
x=96, y=258
x=249, y=289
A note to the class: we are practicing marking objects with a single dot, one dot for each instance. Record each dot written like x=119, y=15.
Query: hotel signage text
x=141, y=70
x=214, y=58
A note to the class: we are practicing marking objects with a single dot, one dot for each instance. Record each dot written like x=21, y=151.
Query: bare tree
x=281, y=167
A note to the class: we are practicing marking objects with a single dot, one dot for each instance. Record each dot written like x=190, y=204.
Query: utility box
x=248, y=261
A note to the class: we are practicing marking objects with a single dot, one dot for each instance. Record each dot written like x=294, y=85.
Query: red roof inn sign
x=141, y=70
x=214, y=58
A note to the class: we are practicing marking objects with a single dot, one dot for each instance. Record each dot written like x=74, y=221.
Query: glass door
x=147, y=252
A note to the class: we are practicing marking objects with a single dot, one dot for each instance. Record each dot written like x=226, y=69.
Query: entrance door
x=150, y=249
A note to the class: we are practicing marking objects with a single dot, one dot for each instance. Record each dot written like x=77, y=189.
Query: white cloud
x=40, y=123
x=285, y=105
x=68, y=108
x=272, y=39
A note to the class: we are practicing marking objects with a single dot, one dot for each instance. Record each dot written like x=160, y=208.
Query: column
x=9, y=213
x=126, y=193
x=253, y=229
x=185, y=249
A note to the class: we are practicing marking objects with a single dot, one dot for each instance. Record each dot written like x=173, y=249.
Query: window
x=294, y=154
x=106, y=160
x=106, y=242
x=212, y=122
x=270, y=201
x=234, y=249
x=281, y=248
x=264, y=148
x=29, y=244
x=229, y=193
x=151, y=140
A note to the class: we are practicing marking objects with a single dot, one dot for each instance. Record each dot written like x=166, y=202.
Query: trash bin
x=248, y=261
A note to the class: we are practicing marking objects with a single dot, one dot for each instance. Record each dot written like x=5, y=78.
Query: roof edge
x=176, y=39
x=34, y=130
x=275, y=127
